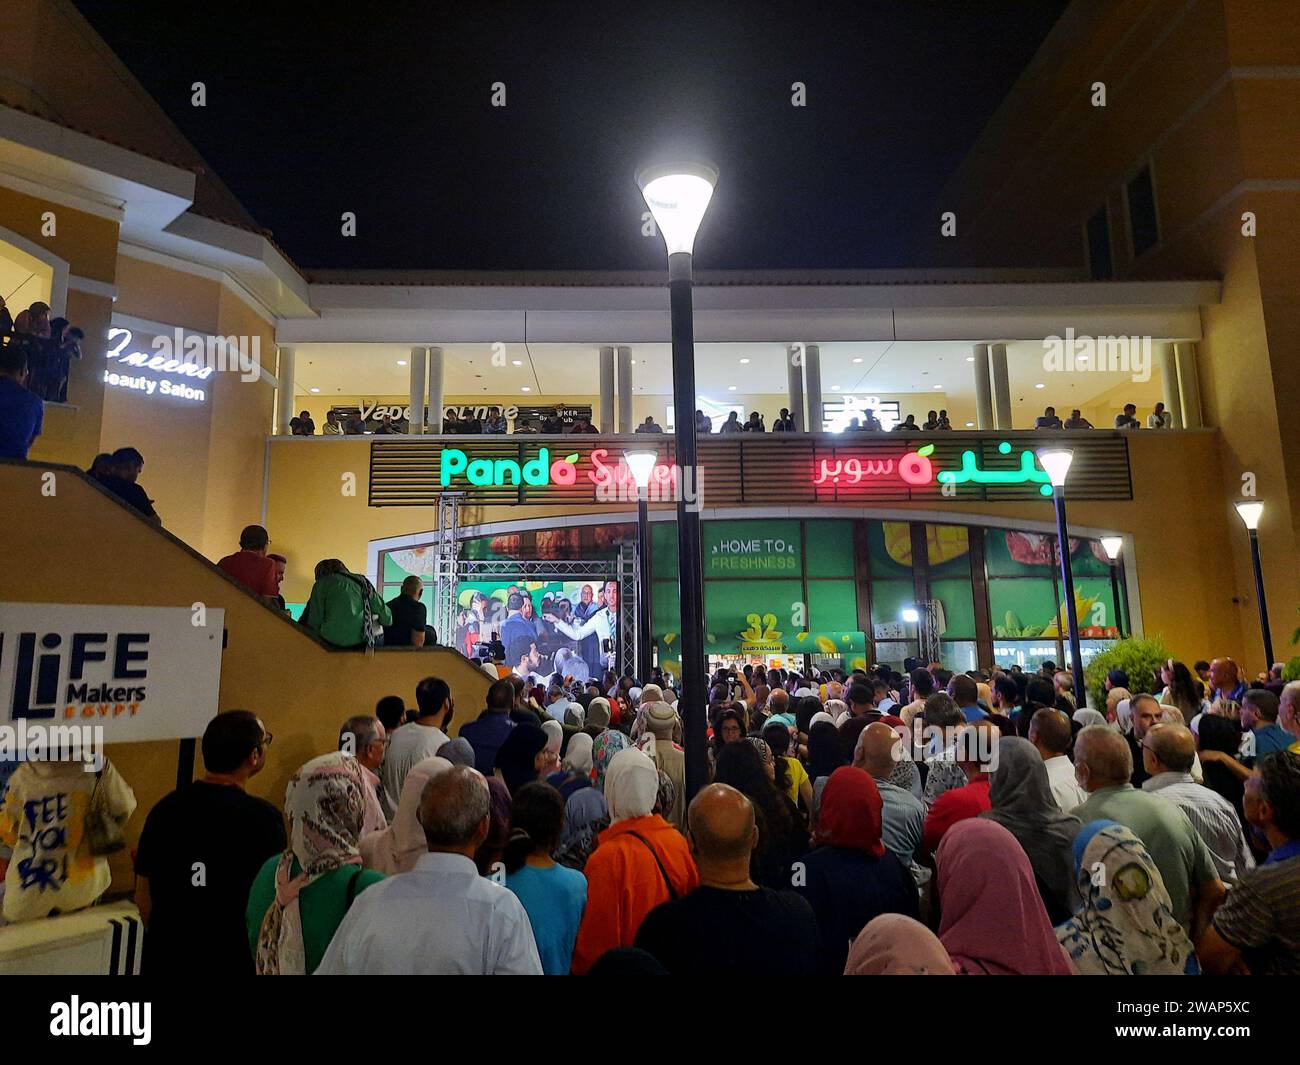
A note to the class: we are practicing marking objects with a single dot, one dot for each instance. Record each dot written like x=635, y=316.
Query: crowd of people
x=861, y=823
x=36, y=353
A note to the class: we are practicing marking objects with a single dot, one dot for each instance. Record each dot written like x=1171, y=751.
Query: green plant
x=1139, y=658
x=1291, y=671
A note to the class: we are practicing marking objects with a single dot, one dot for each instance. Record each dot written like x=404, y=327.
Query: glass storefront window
x=958, y=598
x=1021, y=608
x=1028, y=654
x=893, y=653
x=948, y=551
x=888, y=598
x=889, y=545
x=959, y=655
x=828, y=548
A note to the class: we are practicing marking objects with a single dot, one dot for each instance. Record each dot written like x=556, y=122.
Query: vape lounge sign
x=143, y=673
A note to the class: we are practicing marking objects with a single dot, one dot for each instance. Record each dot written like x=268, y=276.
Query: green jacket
x=336, y=610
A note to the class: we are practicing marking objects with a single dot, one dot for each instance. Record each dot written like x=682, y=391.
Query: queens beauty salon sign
x=142, y=673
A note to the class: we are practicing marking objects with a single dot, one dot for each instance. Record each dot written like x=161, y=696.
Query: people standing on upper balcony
x=353, y=424
x=871, y=424
x=1128, y=420
x=6, y=319
x=281, y=564
x=410, y=616
x=582, y=426
x=649, y=426
x=944, y=423
x=931, y=421
x=783, y=424
x=344, y=609
x=332, y=426
x=386, y=427
x=496, y=422
x=124, y=469
x=1077, y=421
x=22, y=412
x=703, y=423
x=755, y=423
x=907, y=425
x=551, y=423
x=471, y=424
x=306, y=427
x=732, y=424
x=1049, y=420
x=1160, y=418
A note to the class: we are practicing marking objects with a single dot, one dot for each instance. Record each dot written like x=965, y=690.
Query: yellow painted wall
x=1181, y=534
x=203, y=461
x=103, y=554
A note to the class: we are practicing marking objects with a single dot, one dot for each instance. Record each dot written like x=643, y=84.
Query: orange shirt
x=624, y=883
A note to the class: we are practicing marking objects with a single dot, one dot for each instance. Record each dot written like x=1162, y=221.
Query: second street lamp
x=1251, y=511
x=677, y=197
x=1056, y=461
x=1112, y=545
x=642, y=465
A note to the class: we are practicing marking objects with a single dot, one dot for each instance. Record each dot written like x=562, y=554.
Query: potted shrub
x=1140, y=658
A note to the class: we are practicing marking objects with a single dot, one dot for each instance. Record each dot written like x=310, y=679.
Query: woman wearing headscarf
x=492, y=850
x=894, y=945
x=596, y=718
x=992, y=918
x=603, y=749
x=825, y=755
x=1022, y=802
x=575, y=768
x=640, y=861
x=299, y=897
x=1127, y=926
x=849, y=877
x=522, y=756
x=396, y=848
x=1086, y=717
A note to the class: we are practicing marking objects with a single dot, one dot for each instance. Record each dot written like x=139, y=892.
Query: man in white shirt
x=1159, y=418
x=600, y=624
x=1168, y=751
x=1049, y=731
x=441, y=918
x=418, y=740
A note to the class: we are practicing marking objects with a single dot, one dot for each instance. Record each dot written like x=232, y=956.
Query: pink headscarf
x=894, y=945
x=993, y=917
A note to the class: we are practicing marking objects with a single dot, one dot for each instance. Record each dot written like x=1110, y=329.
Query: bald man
x=903, y=816
x=729, y=926
x=1168, y=752
x=1225, y=681
x=1103, y=766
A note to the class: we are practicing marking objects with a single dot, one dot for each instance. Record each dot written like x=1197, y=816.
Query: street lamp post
x=1056, y=461
x=1251, y=510
x=1112, y=546
x=642, y=465
x=677, y=197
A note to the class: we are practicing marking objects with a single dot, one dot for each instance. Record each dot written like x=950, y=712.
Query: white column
x=415, y=425
x=284, y=392
x=1189, y=386
x=794, y=387
x=983, y=389
x=1168, y=359
x=606, y=422
x=435, y=390
x=1001, y=386
x=812, y=379
x=625, y=391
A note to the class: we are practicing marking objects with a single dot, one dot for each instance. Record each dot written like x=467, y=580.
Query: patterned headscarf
x=603, y=749
x=764, y=751
x=666, y=797
x=326, y=805
x=1127, y=925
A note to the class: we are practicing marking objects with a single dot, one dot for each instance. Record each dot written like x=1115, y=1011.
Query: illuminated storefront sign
x=497, y=473
x=162, y=361
x=916, y=468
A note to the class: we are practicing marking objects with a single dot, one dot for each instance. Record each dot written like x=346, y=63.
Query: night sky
x=310, y=115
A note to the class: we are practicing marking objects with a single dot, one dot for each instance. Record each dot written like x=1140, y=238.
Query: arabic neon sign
x=915, y=468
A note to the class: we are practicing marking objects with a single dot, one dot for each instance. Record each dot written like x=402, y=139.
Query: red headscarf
x=851, y=812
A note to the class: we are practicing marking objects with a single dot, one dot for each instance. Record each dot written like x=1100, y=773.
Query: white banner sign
x=142, y=672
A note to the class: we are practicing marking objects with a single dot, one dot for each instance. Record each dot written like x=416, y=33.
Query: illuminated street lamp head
x=1112, y=546
x=678, y=195
x=1056, y=461
x=642, y=465
x=1251, y=510
x=911, y=615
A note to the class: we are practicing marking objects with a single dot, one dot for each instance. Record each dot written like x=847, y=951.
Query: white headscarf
x=631, y=785
x=577, y=759
x=554, y=736
x=1124, y=715
x=821, y=715
x=396, y=848
x=1087, y=717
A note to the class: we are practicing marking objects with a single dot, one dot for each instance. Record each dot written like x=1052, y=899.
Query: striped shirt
x=1214, y=819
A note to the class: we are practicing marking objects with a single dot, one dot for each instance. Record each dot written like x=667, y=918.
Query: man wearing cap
x=661, y=721
x=250, y=565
